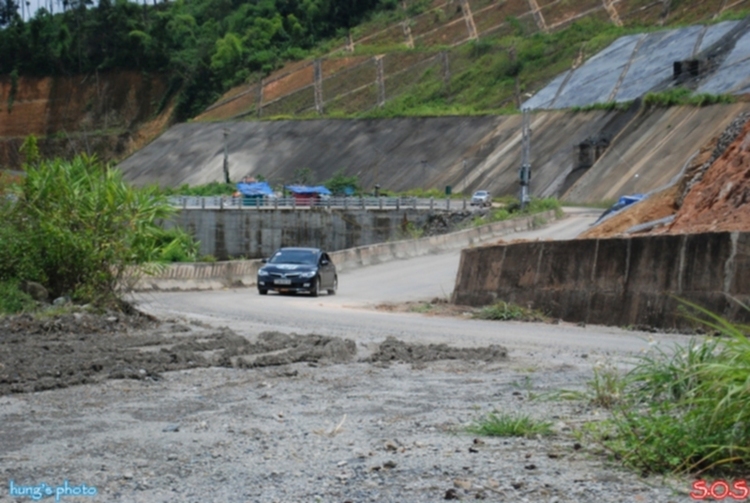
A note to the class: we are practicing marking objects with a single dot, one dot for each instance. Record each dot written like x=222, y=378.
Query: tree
x=8, y=10
x=228, y=56
x=339, y=183
x=302, y=176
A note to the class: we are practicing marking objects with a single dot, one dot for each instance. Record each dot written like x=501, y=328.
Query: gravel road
x=347, y=424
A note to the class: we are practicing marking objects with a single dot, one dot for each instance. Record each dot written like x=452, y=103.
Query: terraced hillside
x=440, y=49
x=455, y=57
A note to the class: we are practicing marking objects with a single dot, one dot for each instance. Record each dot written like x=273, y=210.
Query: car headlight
x=261, y=272
x=307, y=274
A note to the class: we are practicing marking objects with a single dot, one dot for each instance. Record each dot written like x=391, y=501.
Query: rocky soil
x=149, y=411
x=713, y=195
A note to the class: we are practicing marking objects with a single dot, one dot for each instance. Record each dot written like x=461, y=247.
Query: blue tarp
x=620, y=204
x=304, y=190
x=255, y=189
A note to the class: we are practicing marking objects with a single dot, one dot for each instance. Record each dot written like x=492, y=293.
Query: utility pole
x=226, y=158
x=524, y=174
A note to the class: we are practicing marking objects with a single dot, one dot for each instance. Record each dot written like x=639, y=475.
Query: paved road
x=350, y=313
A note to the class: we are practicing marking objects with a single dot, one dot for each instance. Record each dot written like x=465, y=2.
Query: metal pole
x=525, y=171
x=226, y=158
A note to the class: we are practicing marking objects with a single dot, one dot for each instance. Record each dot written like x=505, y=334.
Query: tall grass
x=688, y=410
x=75, y=226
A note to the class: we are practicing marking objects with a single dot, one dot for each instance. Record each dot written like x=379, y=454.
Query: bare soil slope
x=713, y=194
x=111, y=114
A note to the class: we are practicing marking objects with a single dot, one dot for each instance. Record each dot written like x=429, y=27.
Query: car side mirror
x=324, y=262
x=264, y=260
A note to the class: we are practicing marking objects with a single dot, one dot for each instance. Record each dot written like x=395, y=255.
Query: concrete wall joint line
x=587, y=315
x=699, y=41
x=469, y=18
x=538, y=264
x=627, y=263
x=681, y=266
x=625, y=70
x=609, y=5
x=538, y=17
x=729, y=265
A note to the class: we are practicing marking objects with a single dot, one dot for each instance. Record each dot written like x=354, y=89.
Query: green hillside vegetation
x=209, y=46
x=206, y=45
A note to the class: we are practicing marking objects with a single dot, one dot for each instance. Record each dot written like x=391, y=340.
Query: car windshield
x=294, y=257
x=480, y=193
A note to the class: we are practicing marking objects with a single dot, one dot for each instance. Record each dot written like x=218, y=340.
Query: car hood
x=287, y=268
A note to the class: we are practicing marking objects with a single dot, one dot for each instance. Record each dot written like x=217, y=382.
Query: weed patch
x=503, y=311
x=686, y=410
x=508, y=425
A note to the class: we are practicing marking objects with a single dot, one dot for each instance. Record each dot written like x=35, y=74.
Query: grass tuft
x=503, y=311
x=509, y=425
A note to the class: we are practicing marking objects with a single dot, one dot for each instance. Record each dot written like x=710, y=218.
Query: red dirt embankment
x=713, y=195
x=721, y=200
x=110, y=114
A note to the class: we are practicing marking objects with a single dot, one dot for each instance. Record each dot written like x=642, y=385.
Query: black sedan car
x=297, y=270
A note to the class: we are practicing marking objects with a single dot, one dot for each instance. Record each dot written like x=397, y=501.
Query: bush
x=75, y=227
x=12, y=299
x=512, y=209
x=687, y=410
x=504, y=311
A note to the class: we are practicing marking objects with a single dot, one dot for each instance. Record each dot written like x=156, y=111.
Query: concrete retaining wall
x=613, y=281
x=238, y=273
x=255, y=233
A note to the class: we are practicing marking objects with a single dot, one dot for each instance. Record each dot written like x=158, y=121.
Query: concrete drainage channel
x=242, y=273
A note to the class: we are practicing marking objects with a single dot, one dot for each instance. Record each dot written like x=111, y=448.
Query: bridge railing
x=367, y=203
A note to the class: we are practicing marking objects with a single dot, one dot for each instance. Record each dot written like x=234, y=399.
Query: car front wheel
x=315, y=287
x=262, y=291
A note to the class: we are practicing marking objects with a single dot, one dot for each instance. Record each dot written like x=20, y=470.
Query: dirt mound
x=276, y=348
x=56, y=352
x=394, y=350
x=659, y=205
x=443, y=223
x=82, y=322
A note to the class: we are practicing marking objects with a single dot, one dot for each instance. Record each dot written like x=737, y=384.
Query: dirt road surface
x=243, y=398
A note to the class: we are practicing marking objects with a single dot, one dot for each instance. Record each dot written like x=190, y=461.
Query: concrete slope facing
x=398, y=154
x=717, y=56
x=643, y=150
x=652, y=151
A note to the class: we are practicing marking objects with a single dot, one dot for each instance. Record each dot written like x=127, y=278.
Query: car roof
x=481, y=192
x=292, y=248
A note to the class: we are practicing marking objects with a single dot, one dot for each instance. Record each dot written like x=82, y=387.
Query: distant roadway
x=350, y=312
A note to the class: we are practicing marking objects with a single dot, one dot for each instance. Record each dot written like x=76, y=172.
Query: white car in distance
x=481, y=198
